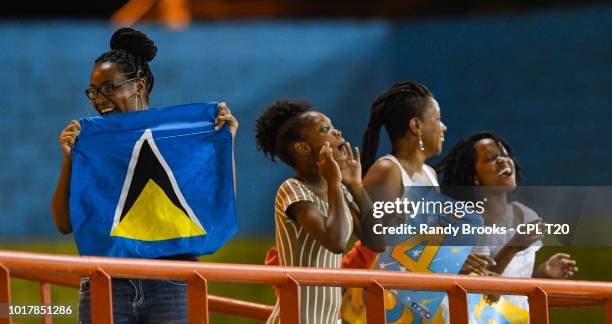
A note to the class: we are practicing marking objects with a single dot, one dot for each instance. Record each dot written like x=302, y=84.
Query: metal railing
x=66, y=270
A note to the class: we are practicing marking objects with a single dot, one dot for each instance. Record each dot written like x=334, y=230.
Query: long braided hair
x=393, y=109
x=132, y=50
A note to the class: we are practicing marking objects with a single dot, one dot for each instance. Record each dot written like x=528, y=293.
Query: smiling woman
x=486, y=160
x=121, y=82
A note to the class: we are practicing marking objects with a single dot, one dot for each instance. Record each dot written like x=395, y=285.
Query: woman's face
x=432, y=128
x=321, y=130
x=125, y=96
x=493, y=165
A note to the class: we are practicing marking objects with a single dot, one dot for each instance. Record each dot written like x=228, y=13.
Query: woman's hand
x=68, y=137
x=492, y=298
x=351, y=173
x=559, y=266
x=328, y=167
x=225, y=116
x=477, y=264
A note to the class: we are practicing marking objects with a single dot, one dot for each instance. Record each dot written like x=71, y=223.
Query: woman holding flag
x=121, y=82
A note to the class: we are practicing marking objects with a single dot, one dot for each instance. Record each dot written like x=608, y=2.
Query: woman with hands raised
x=121, y=81
x=318, y=209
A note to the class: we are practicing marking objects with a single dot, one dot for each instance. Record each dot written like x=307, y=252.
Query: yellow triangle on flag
x=153, y=217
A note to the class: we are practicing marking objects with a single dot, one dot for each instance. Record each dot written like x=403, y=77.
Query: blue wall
x=542, y=80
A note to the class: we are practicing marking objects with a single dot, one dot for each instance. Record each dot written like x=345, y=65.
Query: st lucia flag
x=153, y=183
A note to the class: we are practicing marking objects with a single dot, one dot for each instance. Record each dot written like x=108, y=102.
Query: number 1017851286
x=35, y=310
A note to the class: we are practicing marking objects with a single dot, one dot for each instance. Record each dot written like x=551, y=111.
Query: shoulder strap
x=406, y=181
x=431, y=176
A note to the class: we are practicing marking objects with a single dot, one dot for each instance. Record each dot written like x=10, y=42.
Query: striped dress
x=296, y=247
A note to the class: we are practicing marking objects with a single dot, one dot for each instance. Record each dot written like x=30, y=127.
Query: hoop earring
x=421, y=146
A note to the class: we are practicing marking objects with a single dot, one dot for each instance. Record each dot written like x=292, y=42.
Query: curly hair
x=279, y=126
x=459, y=166
x=132, y=50
x=393, y=109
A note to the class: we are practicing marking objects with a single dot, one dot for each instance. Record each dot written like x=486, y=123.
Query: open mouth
x=505, y=172
x=341, y=155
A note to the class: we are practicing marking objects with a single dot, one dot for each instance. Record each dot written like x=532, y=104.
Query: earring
x=140, y=104
x=421, y=147
x=87, y=106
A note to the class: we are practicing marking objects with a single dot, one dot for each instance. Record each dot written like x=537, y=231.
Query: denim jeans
x=140, y=301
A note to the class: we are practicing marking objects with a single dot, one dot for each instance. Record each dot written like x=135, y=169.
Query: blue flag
x=153, y=183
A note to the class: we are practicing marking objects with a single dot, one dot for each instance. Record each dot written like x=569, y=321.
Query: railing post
x=289, y=297
x=375, y=303
x=5, y=291
x=458, y=305
x=45, y=299
x=609, y=310
x=101, y=297
x=538, y=307
x=197, y=299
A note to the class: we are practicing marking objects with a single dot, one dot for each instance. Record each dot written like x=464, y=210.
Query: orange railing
x=66, y=270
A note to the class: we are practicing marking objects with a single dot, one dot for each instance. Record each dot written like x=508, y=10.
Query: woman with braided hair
x=412, y=118
x=411, y=115
x=121, y=82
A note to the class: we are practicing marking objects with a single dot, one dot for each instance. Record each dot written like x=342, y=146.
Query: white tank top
x=406, y=180
x=406, y=183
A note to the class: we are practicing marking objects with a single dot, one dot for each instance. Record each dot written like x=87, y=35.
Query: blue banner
x=153, y=183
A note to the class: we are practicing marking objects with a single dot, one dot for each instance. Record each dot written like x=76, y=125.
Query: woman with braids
x=486, y=160
x=121, y=82
x=412, y=118
x=316, y=210
x=411, y=115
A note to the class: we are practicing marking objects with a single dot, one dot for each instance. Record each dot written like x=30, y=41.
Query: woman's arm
x=383, y=183
x=225, y=116
x=364, y=221
x=331, y=231
x=518, y=243
x=503, y=258
x=59, y=203
x=60, y=208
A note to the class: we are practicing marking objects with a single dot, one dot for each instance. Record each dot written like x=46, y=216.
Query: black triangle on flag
x=151, y=205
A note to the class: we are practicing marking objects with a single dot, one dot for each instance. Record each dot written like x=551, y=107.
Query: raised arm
x=225, y=116
x=332, y=231
x=60, y=201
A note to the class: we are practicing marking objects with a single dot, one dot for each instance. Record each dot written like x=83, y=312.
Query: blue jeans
x=141, y=301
